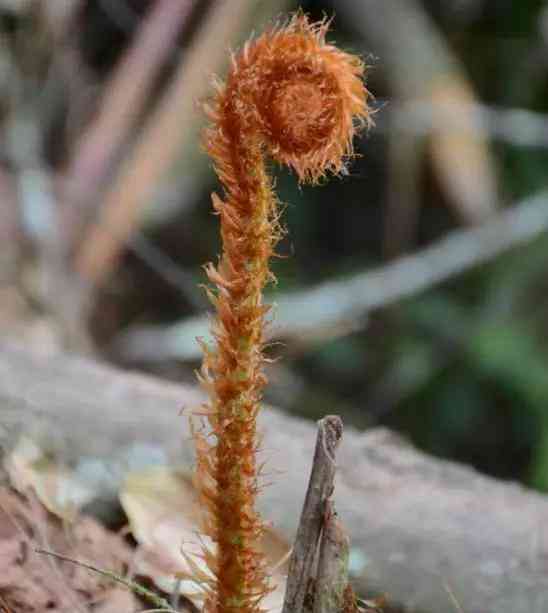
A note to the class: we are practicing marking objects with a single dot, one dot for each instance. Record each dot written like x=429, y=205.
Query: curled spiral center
x=301, y=116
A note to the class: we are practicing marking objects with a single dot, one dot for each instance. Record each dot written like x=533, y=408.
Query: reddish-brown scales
x=299, y=100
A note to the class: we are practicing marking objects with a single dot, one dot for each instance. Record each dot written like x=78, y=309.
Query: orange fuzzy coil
x=299, y=100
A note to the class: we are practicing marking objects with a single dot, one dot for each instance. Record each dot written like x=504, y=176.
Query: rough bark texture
x=332, y=575
x=418, y=526
x=320, y=488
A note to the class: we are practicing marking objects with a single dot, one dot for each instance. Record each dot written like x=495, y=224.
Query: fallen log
x=422, y=530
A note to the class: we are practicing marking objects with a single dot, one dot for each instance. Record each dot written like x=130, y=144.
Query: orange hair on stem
x=299, y=100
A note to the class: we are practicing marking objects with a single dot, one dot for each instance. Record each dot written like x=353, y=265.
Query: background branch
x=336, y=308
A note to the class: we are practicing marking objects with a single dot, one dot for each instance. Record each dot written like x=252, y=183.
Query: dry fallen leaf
x=30, y=582
x=164, y=515
x=29, y=467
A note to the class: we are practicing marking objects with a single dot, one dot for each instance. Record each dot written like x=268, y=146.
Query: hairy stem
x=235, y=467
x=291, y=96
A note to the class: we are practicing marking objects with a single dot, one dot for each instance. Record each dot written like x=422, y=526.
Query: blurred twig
x=167, y=269
x=338, y=307
x=514, y=126
x=121, y=105
x=173, y=123
x=421, y=66
x=130, y=585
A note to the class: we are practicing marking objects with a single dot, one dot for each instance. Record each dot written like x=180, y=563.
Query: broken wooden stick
x=320, y=488
x=332, y=574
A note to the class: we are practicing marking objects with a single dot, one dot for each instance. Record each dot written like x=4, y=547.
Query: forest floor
x=32, y=582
